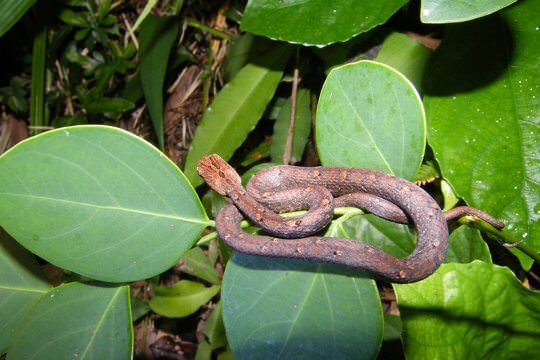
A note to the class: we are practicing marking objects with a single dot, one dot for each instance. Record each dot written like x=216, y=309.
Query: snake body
x=319, y=189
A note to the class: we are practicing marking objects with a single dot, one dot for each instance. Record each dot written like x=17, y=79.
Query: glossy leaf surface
x=77, y=321
x=22, y=284
x=182, y=299
x=11, y=11
x=379, y=124
x=449, y=11
x=475, y=310
x=483, y=107
x=316, y=22
x=98, y=201
x=277, y=308
x=236, y=110
x=301, y=130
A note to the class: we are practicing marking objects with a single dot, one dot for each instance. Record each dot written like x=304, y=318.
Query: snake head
x=218, y=174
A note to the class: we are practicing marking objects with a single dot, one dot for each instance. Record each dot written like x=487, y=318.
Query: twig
x=221, y=34
x=290, y=134
x=130, y=32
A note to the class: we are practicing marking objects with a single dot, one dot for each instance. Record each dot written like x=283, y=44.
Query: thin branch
x=290, y=134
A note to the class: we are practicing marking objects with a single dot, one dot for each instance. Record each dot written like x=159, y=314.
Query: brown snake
x=320, y=189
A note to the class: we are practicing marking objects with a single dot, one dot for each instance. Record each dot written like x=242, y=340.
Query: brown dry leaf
x=12, y=131
x=182, y=112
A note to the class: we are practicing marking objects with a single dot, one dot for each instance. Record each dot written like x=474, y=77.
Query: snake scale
x=319, y=189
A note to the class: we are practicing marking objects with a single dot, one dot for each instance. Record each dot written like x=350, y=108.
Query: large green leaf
x=11, y=11
x=483, y=109
x=21, y=286
x=77, y=321
x=282, y=309
x=406, y=55
x=301, y=130
x=369, y=115
x=469, y=311
x=236, y=110
x=466, y=245
x=182, y=299
x=98, y=201
x=449, y=11
x=156, y=40
x=316, y=22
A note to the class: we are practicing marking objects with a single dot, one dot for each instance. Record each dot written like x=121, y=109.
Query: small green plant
x=111, y=208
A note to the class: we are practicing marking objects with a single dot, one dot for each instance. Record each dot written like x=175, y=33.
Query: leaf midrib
x=107, y=207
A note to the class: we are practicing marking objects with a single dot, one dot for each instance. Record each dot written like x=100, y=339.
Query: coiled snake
x=320, y=189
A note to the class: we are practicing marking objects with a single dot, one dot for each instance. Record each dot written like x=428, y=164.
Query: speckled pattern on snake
x=320, y=189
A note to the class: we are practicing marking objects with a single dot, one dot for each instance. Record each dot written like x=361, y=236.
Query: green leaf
x=316, y=22
x=302, y=128
x=466, y=245
x=204, y=351
x=450, y=11
x=236, y=109
x=22, y=284
x=392, y=327
x=406, y=55
x=106, y=105
x=98, y=201
x=396, y=239
x=182, y=299
x=427, y=173
x=77, y=321
x=260, y=152
x=449, y=196
x=370, y=116
x=278, y=308
x=156, y=40
x=243, y=50
x=11, y=11
x=39, y=67
x=482, y=104
x=139, y=308
x=74, y=18
x=469, y=311
x=214, y=328
x=197, y=264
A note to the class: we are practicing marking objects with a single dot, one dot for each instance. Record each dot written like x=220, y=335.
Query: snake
x=319, y=190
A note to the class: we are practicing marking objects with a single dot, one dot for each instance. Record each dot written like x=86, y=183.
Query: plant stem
x=504, y=236
x=344, y=212
x=294, y=90
x=221, y=34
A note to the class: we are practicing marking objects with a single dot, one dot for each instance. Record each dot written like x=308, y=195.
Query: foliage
x=99, y=203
